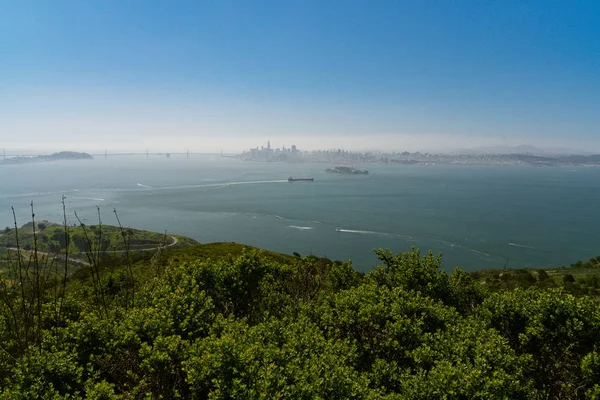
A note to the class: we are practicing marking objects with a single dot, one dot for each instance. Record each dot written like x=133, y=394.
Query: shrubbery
x=253, y=326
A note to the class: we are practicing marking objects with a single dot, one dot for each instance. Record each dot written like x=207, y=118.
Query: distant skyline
x=359, y=75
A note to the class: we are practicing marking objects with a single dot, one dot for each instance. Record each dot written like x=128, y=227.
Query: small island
x=63, y=155
x=346, y=170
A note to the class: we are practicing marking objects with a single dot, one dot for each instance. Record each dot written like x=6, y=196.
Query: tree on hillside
x=79, y=242
x=54, y=246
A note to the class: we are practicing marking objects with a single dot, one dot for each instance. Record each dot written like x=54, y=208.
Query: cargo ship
x=291, y=179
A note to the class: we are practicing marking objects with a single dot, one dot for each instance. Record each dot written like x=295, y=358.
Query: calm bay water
x=477, y=216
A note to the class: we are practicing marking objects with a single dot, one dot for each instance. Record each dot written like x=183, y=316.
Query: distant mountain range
x=522, y=149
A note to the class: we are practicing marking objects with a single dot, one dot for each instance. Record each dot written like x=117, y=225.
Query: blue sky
x=210, y=75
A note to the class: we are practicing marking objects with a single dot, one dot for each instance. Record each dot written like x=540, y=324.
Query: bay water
x=478, y=217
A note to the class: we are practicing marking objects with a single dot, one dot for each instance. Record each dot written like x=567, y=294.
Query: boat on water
x=292, y=179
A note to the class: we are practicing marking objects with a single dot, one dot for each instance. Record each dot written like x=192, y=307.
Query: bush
x=264, y=326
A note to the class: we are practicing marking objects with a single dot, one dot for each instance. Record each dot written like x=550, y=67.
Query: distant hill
x=523, y=149
x=63, y=155
x=69, y=155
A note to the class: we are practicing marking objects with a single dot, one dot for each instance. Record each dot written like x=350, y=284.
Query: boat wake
x=254, y=182
x=362, y=232
x=89, y=198
x=471, y=249
x=303, y=228
x=213, y=185
x=520, y=245
x=33, y=194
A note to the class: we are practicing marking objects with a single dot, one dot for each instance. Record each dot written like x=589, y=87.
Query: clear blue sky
x=209, y=75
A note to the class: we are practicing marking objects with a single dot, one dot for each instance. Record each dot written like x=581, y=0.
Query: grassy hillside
x=51, y=237
x=215, y=251
x=106, y=239
x=580, y=278
x=225, y=320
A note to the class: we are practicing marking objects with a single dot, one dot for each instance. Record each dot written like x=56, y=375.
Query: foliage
x=558, y=330
x=112, y=240
x=229, y=321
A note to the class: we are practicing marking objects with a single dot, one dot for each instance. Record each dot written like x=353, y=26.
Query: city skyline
x=492, y=148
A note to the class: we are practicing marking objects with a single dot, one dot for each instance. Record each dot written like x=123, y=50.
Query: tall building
x=269, y=145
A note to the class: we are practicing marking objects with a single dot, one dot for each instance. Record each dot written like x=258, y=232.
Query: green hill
x=50, y=240
x=224, y=320
x=51, y=237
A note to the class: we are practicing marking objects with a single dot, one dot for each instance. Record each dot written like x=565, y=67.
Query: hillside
x=224, y=320
x=50, y=239
x=60, y=156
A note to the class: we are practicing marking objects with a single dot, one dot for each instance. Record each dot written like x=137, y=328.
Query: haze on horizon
x=229, y=75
